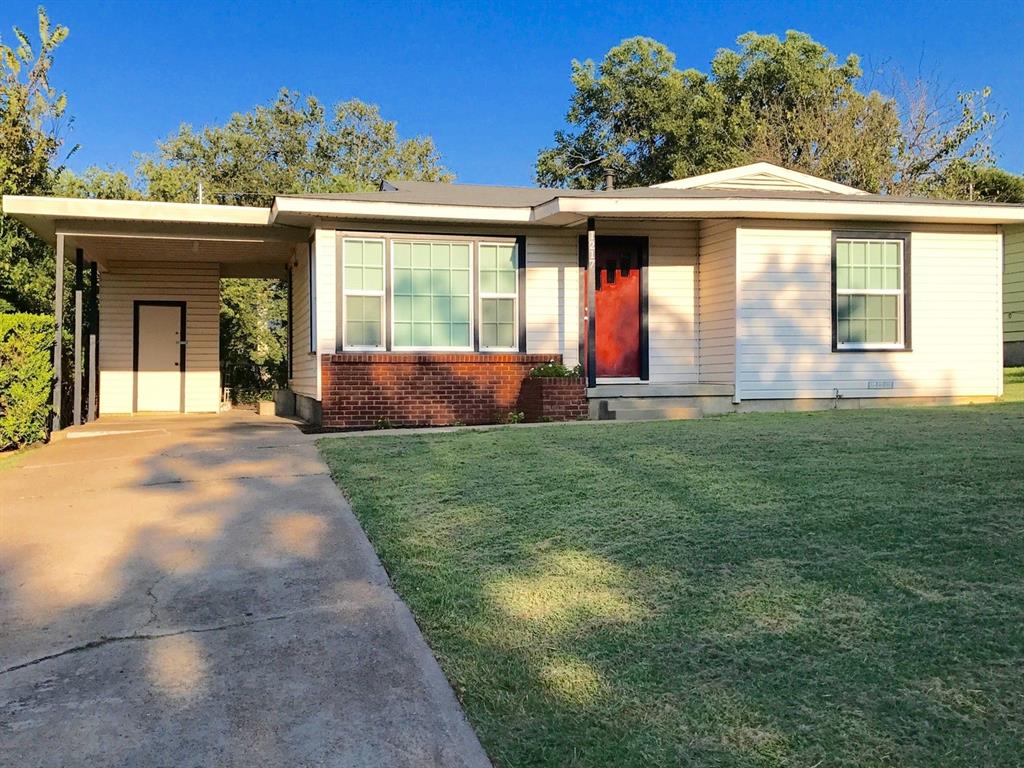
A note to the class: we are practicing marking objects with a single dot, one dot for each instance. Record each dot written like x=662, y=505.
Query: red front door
x=617, y=309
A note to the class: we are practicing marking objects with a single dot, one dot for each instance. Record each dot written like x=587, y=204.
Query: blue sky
x=489, y=81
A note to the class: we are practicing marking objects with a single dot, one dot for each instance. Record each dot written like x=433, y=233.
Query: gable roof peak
x=761, y=175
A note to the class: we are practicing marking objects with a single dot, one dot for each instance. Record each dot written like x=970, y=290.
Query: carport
x=152, y=272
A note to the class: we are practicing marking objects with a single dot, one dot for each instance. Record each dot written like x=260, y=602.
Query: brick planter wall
x=551, y=399
x=361, y=390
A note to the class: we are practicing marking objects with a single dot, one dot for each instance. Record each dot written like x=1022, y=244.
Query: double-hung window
x=870, y=296
x=499, y=291
x=363, y=295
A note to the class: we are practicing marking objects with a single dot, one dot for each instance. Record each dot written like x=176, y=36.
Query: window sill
x=872, y=349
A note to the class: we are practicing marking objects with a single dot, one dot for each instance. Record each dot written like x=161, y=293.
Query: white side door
x=159, y=372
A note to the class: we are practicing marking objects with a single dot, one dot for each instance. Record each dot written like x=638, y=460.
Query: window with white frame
x=363, y=295
x=870, y=293
x=499, y=293
x=431, y=295
x=420, y=293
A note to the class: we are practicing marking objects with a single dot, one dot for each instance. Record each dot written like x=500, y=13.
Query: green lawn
x=832, y=589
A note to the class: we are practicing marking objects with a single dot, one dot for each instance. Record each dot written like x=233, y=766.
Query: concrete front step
x=657, y=414
x=647, y=389
x=648, y=408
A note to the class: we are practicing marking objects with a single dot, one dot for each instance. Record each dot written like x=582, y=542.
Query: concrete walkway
x=194, y=591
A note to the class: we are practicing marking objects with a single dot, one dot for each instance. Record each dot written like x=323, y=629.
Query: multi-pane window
x=363, y=280
x=870, y=285
x=499, y=274
x=411, y=292
x=431, y=295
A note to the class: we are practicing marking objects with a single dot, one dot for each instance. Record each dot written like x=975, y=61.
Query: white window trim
x=514, y=295
x=472, y=282
x=346, y=292
x=901, y=321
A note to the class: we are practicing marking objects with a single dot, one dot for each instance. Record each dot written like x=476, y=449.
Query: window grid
x=870, y=284
x=431, y=295
x=499, y=293
x=363, y=268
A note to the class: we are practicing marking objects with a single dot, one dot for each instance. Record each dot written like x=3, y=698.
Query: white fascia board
x=384, y=210
x=134, y=210
x=730, y=174
x=777, y=208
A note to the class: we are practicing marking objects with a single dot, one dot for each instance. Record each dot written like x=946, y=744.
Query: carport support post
x=591, y=362
x=94, y=325
x=76, y=417
x=58, y=339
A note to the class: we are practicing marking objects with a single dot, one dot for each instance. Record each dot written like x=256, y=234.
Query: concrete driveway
x=194, y=591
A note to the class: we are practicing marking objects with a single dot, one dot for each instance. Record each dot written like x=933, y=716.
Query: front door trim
x=135, y=347
x=589, y=327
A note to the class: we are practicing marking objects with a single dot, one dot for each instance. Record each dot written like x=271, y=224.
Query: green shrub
x=553, y=370
x=26, y=378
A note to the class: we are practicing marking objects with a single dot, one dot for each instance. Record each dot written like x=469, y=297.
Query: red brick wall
x=553, y=399
x=361, y=390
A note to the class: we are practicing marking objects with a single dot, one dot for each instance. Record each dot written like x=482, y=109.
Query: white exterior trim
x=387, y=210
x=346, y=292
x=731, y=174
x=135, y=210
x=571, y=210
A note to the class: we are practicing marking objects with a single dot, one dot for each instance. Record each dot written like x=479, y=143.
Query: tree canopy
x=31, y=114
x=290, y=145
x=790, y=101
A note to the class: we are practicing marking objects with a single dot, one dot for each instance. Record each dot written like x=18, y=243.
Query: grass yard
x=831, y=589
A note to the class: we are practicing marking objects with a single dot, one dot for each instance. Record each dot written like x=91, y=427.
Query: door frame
x=181, y=305
x=588, y=326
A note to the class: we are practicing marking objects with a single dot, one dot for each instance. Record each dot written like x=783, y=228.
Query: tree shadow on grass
x=746, y=591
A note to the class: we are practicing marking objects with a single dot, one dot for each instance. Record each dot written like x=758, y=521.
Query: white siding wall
x=756, y=181
x=784, y=319
x=717, y=302
x=197, y=284
x=1013, y=284
x=325, y=261
x=553, y=295
x=304, y=365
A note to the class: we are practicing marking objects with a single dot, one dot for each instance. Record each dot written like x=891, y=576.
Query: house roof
x=757, y=191
x=761, y=176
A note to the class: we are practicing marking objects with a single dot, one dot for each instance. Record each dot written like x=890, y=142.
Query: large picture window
x=431, y=295
x=418, y=293
x=870, y=292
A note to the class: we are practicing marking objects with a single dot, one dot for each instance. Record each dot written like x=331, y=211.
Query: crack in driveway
x=144, y=636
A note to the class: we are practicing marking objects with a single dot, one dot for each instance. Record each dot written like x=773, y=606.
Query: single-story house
x=427, y=303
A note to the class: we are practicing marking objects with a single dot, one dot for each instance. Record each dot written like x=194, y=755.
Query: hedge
x=26, y=378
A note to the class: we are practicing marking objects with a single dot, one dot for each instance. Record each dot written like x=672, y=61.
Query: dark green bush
x=553, y=370
x=26, y=378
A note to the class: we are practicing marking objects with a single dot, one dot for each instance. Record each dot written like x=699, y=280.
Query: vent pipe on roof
x=609, y=178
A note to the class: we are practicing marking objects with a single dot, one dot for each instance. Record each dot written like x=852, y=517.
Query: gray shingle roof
x=484, y=195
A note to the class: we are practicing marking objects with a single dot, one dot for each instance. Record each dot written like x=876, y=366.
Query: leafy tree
x=31, y=114
x=253, y=336
x=98, y=183
x=291, y=145
x=789, y=101
x=995, y=185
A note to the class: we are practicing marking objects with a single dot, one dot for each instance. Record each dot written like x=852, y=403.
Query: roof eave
x=296, y=209
x=561, y=210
